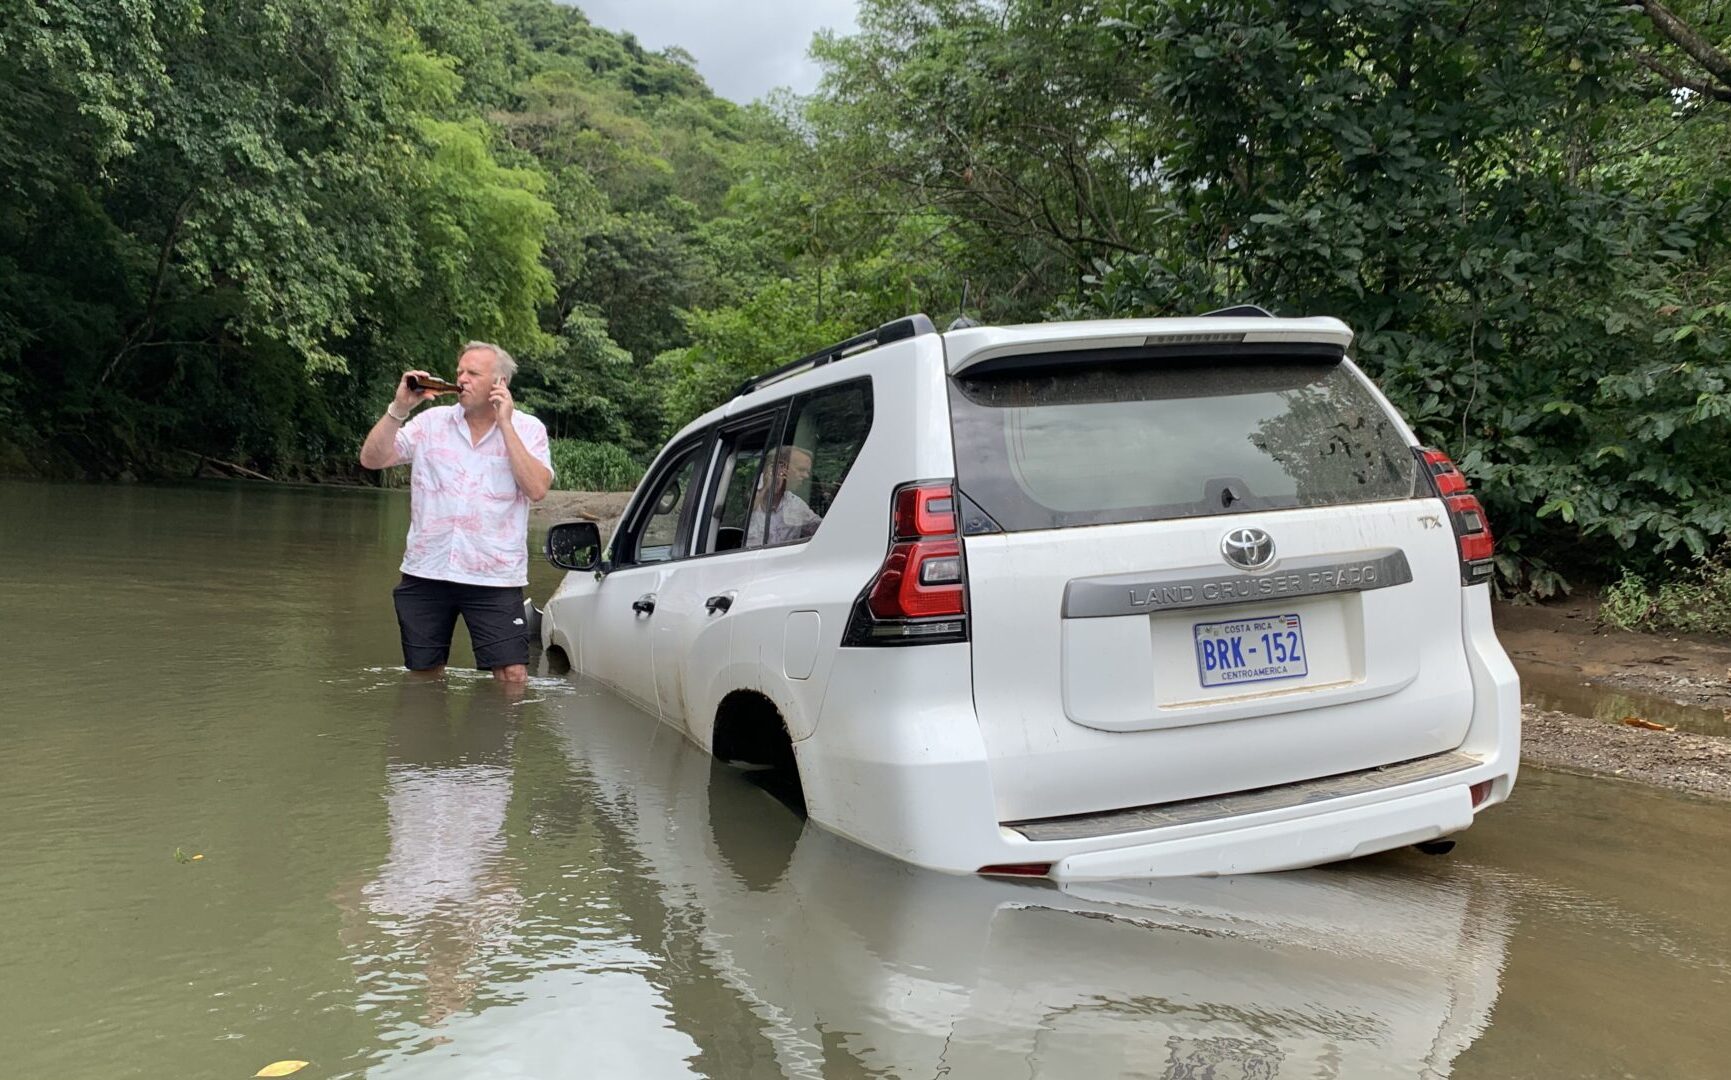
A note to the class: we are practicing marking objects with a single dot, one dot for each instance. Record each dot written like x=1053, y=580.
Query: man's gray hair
x=503, y=365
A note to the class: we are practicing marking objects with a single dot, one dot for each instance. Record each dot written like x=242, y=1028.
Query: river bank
x=1633, y=684
x=602, y=507
x=1677, y=760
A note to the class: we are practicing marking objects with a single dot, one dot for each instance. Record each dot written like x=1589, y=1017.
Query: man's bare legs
x=517, y=674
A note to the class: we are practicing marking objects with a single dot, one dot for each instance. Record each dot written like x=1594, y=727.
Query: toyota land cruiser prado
x=1084, y=600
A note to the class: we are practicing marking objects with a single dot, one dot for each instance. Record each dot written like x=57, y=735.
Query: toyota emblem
x=1248, y=549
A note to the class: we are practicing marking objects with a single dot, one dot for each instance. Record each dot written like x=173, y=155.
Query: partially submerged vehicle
x=1107, y=599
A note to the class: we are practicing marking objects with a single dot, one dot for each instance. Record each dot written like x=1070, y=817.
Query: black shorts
x=427, y=612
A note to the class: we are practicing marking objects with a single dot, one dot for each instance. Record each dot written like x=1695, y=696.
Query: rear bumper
x=1283, y=845
x=938, y=815
x=1237, y=805
x=897, y=763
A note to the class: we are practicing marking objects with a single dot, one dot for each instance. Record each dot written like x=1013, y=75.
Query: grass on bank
x=591, y=466
x=1697, y=602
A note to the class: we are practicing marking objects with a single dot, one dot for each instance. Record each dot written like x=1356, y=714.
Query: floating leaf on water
x=281, y=1068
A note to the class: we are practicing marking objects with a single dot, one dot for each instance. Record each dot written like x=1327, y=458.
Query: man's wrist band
x=394, y=416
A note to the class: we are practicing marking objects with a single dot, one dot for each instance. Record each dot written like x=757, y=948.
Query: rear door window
x=823, y=436
x=739, y=480
x=1140, y=438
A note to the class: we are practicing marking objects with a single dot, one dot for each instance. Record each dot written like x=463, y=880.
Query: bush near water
x=1696, y=600
x=587, y=466
x=226, y=227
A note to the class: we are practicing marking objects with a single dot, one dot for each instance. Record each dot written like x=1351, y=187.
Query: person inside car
x=789, y=517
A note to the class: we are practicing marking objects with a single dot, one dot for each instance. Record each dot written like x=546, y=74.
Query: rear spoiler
x=988, y=349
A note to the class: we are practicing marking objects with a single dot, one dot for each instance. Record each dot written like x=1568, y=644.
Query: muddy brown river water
x=414, y=880
x=1557, y=688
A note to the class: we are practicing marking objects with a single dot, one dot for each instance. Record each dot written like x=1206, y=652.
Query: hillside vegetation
x=226, y=226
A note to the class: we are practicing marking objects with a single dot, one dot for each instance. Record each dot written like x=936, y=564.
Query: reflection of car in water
x=854, y=964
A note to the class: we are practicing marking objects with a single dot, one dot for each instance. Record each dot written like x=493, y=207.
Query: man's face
x=475, y=376
x=798, y=469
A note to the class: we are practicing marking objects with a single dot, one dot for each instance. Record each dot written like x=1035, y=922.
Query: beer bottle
x=433, y=383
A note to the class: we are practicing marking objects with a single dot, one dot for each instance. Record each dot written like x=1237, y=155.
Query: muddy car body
x=1086, y=600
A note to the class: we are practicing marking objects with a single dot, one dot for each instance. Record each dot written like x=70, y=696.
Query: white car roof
x=965, y=348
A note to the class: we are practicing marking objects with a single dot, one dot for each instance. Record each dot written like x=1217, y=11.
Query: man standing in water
x=474, y=469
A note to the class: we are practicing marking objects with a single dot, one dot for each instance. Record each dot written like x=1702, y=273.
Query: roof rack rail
x=912, y=326
x=1239, y=311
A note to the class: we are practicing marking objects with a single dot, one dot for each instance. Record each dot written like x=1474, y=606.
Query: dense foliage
x=591, y=466
x=1527, y=230
x=226, y=226
x=1697, y=601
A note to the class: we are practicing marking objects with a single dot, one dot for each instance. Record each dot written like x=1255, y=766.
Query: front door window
x=658, y=536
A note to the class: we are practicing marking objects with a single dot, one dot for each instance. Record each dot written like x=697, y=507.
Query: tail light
x=1472, y=529
x=919, y=594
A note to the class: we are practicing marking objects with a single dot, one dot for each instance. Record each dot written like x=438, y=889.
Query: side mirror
x=574, y=545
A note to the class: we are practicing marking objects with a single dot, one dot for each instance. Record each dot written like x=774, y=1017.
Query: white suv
x=1083, y=600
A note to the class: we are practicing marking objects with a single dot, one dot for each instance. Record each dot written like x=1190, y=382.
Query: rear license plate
x=1250, y=650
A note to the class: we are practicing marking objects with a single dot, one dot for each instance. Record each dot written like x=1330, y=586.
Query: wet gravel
x=1678, y=760
x=1702, y=690
x=1567, y=639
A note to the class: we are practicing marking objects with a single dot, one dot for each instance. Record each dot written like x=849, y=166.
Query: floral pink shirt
x=468, y=520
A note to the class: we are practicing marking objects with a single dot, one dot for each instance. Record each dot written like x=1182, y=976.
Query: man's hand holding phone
x=500, y=396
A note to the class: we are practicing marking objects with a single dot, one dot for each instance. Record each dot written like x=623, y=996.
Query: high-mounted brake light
x=1467, y=517
x=919, y=594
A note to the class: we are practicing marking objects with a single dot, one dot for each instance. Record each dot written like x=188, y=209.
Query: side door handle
x=718, y=604
x=644, y=605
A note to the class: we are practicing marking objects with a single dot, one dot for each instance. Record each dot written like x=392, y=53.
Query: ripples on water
x=440, y=879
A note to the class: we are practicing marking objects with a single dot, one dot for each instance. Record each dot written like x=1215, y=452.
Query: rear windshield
x=1144, y=439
